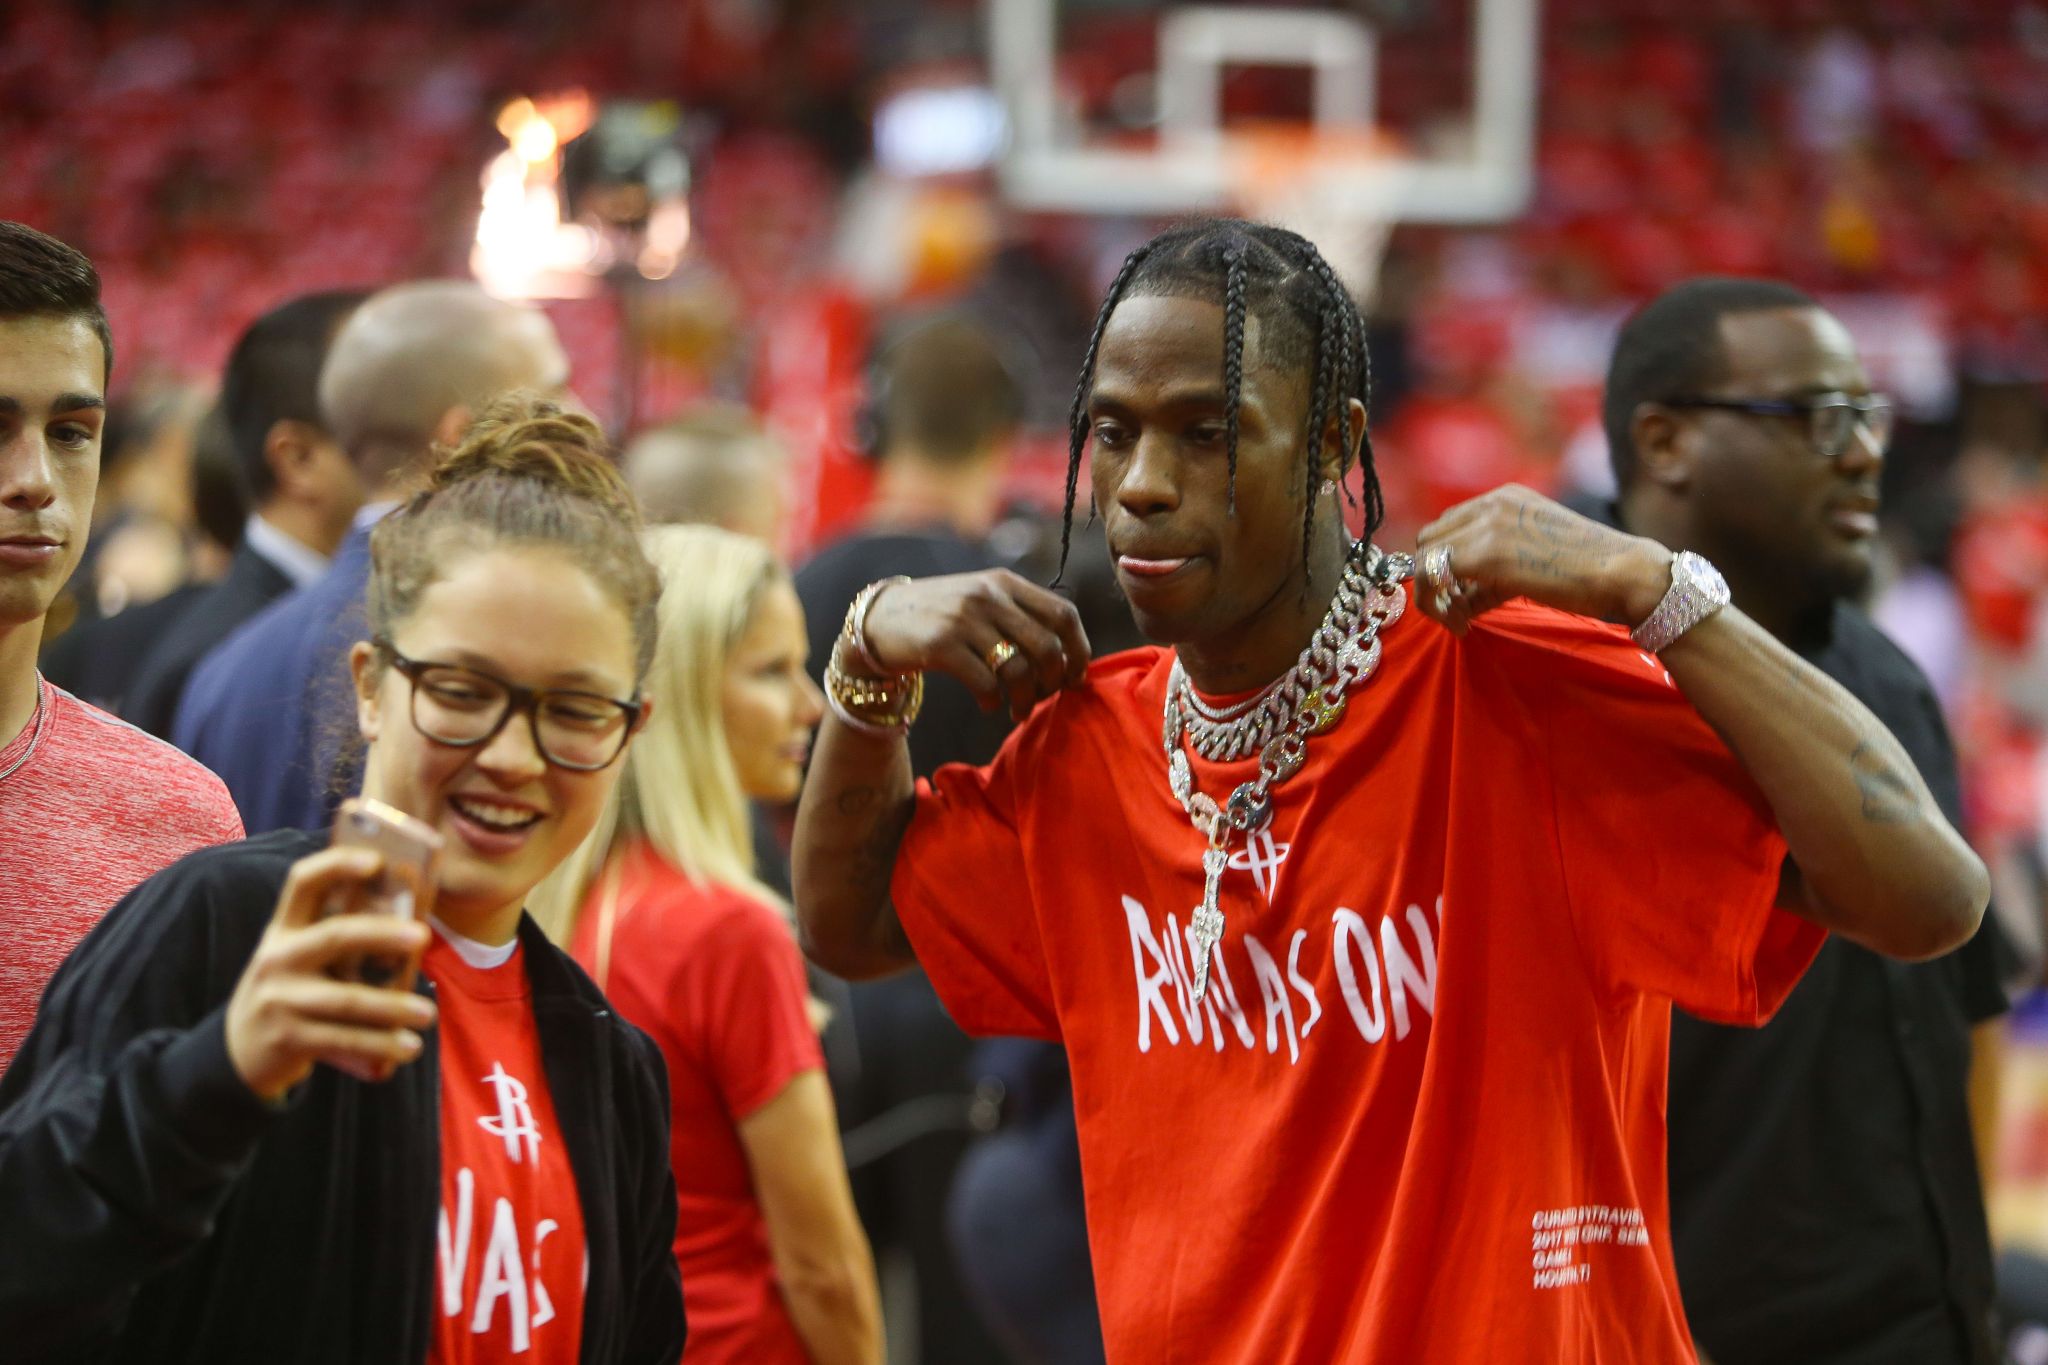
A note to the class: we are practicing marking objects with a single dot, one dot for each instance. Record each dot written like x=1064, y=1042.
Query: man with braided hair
x=1365, y=973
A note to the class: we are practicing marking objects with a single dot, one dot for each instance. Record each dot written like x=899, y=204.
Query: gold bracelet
x=854, y=633
x=875, y=705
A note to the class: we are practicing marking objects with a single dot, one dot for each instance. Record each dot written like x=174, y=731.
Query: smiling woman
x=522, y=608
x=279, y=1115
x=665, y=908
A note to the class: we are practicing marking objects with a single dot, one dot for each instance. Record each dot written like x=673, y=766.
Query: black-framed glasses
x=466, y=707
x=1832, y=419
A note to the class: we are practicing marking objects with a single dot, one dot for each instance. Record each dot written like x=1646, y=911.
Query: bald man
x=714, y=466
x=268, y=709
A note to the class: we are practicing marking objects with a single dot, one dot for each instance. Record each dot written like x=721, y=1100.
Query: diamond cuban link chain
x=1277, y=724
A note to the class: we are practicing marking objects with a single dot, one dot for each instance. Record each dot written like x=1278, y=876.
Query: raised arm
x=1873, y=857
x=858, y=797
x=145, y=1086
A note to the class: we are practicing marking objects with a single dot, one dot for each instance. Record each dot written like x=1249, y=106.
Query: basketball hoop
x=1340, y=188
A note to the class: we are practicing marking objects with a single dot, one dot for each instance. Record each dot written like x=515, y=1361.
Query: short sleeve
x=1980, y=968
x=220, y=821
x=743, y=985
x=963, y=892
x=1670, y=857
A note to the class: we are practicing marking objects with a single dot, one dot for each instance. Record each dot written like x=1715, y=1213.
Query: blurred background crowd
x=761, y=200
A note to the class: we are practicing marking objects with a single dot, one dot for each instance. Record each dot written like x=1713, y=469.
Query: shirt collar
x=373, y=512
x=297, y=561
x=482, y=956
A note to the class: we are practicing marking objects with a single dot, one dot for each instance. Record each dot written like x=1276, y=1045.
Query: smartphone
x=405, y=887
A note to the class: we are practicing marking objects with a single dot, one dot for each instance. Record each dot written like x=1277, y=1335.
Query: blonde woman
x=664, y=908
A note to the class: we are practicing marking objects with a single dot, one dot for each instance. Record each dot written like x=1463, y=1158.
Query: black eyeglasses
x=1832, y=419
x=465, y=707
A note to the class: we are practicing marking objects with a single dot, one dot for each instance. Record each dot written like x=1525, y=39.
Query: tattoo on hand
x=1564, y=549
x=1888, y=797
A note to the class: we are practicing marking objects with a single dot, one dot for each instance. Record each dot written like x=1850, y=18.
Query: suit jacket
x=96, y=660
x=251, y=584
x=267, y=709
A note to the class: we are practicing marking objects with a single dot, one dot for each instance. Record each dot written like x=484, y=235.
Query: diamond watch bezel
x=1697, y=591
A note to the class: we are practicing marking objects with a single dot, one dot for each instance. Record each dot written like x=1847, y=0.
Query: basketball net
x=1288, y=174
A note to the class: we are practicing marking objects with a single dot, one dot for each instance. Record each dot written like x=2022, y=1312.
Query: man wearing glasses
x=1825, y=1199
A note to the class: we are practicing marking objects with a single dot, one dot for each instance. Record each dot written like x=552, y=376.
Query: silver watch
x=1697, y=591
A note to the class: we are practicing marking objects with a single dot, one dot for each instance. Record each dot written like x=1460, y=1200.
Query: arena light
x=523, y=248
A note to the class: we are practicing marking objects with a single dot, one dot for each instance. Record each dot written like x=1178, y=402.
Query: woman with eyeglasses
x=664, y=907
x=220, y=1143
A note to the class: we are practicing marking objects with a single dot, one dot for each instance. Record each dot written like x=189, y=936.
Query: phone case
x=405, y=887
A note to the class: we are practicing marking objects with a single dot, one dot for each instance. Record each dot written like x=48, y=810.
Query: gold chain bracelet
x=858, y=690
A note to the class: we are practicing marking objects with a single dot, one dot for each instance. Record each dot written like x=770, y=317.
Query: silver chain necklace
x=1277, y=724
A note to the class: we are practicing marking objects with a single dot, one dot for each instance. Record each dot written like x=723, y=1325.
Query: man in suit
x=270, y=707
x=304, y=491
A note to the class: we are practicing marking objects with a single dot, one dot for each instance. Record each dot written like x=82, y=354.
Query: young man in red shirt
x=89, y=806
x=1365, y=974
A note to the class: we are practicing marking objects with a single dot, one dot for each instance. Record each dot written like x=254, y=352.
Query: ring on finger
x=1436, y=567
x=999, y=653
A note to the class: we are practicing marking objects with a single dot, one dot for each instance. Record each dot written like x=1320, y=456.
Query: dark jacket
x=259, y=708
x=252, y=583
x=96, y=660
x=153, y=1209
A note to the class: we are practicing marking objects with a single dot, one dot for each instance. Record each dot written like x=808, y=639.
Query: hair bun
x=522, y=435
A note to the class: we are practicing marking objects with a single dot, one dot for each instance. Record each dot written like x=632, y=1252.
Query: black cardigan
x=153, y=1209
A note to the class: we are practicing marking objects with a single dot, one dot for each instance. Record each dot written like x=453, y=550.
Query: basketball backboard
x=1338, y=157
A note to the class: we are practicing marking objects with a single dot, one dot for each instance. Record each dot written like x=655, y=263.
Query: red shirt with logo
x=715, y=978
x=510, y=1259
x=1419, y=1114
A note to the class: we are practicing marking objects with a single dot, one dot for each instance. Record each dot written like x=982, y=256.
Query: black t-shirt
x=1825, y=1198
x=1826, y=1207
x=952, y=728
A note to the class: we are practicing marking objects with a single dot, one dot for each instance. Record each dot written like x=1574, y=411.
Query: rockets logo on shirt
x=514, y=1119
x=1385, y=976
x=1262, y=858
x=494, y=1268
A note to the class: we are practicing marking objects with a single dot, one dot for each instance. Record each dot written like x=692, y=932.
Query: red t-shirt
x=715, y=978
x=510, y=1260
x=1419, y=1115
x=94, y=807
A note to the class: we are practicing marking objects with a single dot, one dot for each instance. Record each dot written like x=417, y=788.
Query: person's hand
x=1514, y=542
x=957, y=623
x=290, y=1010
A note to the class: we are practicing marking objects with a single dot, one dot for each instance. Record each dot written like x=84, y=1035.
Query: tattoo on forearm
x=858, y=800
x=1809, y=681
x=1888, y=796
x=872, y=862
